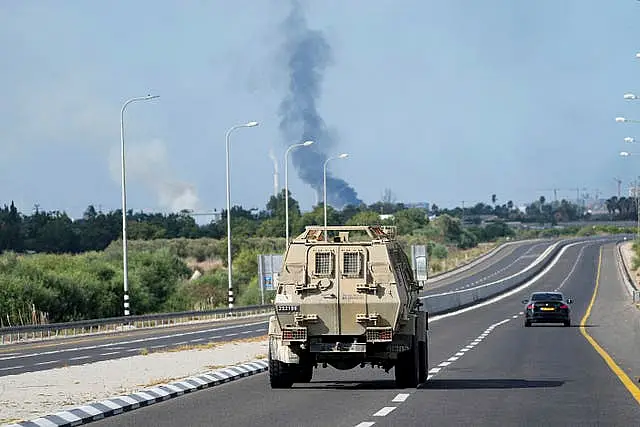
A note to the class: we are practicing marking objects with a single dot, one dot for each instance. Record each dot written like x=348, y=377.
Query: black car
x=547, y=307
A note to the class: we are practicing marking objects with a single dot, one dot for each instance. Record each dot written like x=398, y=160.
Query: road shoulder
x=615, y=320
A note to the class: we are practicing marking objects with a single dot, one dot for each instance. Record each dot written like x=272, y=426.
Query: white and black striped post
x=126, y=304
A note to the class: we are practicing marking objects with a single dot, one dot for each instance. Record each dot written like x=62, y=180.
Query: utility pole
x=462, y=222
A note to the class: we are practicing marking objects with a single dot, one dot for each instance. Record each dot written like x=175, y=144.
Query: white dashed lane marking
x=140, y=340
x=384, y=411
x=495, y=273
x=401, y=397
x=47, y=363
x=80, y=358
x=11, y=367
x=573, y=268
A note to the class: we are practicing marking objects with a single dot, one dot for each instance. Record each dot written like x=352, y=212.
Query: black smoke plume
x=307, y=55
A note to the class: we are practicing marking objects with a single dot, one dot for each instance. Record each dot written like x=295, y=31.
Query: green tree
x=10, y=229
x=364, y=218
x=410, y=219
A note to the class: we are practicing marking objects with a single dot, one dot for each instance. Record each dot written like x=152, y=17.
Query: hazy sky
x=440, y=101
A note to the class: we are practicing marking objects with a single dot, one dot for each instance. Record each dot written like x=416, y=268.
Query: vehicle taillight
x=530, y=306
x=564, y=306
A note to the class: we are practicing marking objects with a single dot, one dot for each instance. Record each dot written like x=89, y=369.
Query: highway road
x=38, y=356
x=16, y=359
x=509, y=260
x=485, y=367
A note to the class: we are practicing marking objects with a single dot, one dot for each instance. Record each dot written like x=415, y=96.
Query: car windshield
x=546, y=297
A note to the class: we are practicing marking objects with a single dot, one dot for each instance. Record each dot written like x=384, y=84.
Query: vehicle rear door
x=352, y=260
x=322, y=299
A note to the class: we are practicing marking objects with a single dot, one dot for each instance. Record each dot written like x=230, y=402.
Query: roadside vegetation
x=635, y=246
x=54, y=269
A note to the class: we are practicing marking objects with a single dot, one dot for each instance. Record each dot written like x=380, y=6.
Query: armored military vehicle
x=346, y=297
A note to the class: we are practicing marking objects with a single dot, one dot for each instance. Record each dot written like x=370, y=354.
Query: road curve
x=509, y=260
x=486, y=368
x=27, y=357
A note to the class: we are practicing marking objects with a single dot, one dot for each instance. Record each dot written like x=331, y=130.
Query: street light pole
x=637, y=200
x=324, y=184
x=246, y=125
x=625, y=120
x=286, y=186
x=125, y=266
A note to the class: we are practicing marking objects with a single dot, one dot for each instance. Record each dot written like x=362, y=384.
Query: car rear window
x=546, y=297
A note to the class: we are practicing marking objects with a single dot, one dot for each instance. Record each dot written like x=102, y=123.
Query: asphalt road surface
x=16, y=359
x=486, y=369
x=26, y=357
x=509, y=260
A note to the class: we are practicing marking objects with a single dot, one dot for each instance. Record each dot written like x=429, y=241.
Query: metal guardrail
x=451, y=301
x=119, y=324
x=13, y=334
x=435, y=304
x=626, y=274
x=455, y=300
x=477, y=260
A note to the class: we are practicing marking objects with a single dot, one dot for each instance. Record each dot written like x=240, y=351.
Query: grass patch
x=252, y=339
x=185, y=347
x=214, y=367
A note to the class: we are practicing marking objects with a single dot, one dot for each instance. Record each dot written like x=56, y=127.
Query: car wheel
x=527, y=323
x=567, y=323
